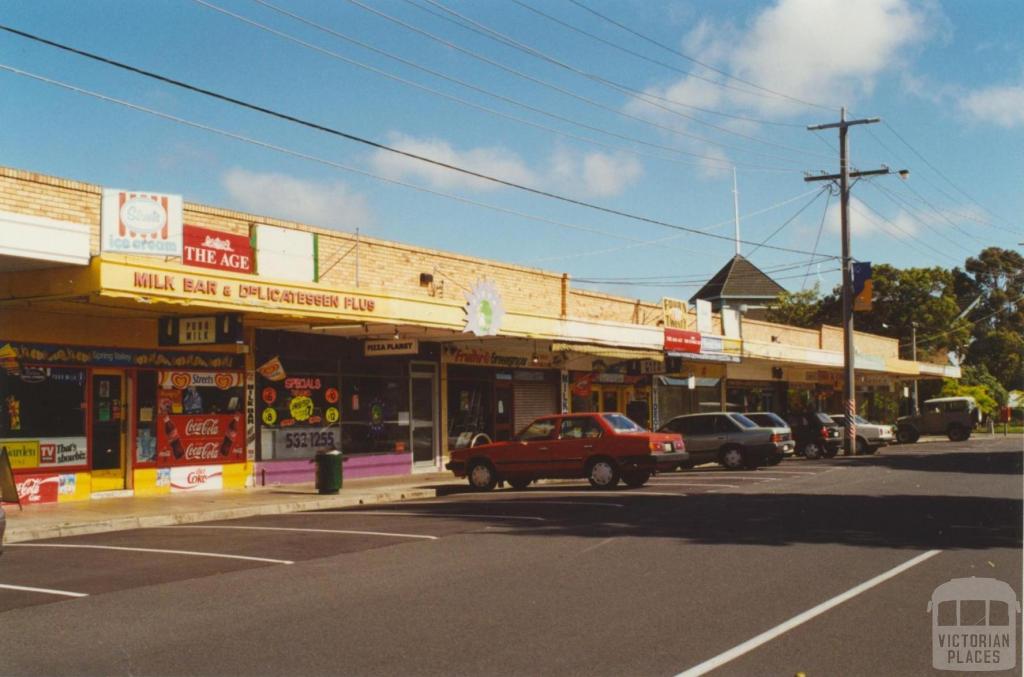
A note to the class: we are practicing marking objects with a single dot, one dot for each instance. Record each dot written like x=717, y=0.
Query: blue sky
x=648, y=121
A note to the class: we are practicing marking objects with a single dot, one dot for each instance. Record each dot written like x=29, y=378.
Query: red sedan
x=601, y=447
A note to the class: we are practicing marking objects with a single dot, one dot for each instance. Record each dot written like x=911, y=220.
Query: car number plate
x=667, y=446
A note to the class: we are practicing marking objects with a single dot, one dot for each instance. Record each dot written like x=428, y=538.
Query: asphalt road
x=554, y=580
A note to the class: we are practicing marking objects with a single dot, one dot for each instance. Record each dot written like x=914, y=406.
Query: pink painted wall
x=355, y=467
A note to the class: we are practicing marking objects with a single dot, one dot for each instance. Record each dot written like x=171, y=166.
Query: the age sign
x=207, y=248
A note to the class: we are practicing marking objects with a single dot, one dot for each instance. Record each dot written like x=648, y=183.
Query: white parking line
x=190, y=553
x=45, y=591
x=697, y=484
x=517, y=501
x=315, y=531
x=418, y=514
x=768, y=635
x=632, y=493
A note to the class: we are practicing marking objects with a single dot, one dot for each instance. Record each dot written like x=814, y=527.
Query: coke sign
x=197, y=478
x=200, y=438
x=37, y=488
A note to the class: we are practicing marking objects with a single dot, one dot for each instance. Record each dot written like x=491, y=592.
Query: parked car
x=600, y=447
x=870, y=436
x=728, y=438
x=767, y=419
x=954, y=417
x=816, y=435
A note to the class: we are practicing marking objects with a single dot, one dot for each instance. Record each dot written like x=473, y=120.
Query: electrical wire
x=904, y=204
x=909, y=236
x=1015, y=231
x=817, y=238
x=480, y=90
x=380, y=146
x=787, y=222
x=698, y=62
x=928, y=338
x=685, y=284
x=669, y=66
x=489, y=33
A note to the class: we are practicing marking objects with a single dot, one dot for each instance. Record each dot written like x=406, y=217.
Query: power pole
x=844, y=176
x=913, y=356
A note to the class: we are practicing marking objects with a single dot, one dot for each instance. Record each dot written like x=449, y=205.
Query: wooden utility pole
x=844, y=176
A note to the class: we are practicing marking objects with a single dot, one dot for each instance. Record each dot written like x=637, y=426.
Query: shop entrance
x=108, y=425
x=422, y=414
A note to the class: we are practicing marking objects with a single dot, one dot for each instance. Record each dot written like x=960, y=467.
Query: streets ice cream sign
x=484, y=309
x=147, y=224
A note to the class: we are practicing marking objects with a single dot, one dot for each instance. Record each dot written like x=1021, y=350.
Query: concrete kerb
x=16, y=533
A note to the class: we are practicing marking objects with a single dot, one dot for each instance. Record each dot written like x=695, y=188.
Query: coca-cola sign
x=200, y=438
x=197, y=478
x=37, y=488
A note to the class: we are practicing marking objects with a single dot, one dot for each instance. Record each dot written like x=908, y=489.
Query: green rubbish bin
x=328, y=471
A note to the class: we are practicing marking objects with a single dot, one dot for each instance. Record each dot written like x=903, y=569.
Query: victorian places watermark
x=974, y=625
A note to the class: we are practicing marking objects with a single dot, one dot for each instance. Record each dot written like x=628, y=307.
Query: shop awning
x=685, y=383
x=609, y=352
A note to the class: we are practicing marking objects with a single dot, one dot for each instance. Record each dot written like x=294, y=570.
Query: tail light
x=824, y=432
x=776, y=437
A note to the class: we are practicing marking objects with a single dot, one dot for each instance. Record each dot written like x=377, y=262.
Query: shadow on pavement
x=1010, y=462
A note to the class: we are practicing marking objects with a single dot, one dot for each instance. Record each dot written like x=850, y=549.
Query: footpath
x=118, y=514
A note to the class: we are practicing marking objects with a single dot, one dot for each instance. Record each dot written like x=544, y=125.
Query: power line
x=974, y=321
x=908, y=235
x=475, y=88
x=703, y=277
x=490, y=33
x=682, y=285
x=947, y=179
x=697, y=61
x=788, y=221
x=380, y=146
x=669, y=66
x=900, y=201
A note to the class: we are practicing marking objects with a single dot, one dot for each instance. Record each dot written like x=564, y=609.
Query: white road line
x=190, y=553
x=583, y=493
x=418, y=514
x=45, y=591
x=767, y=636
x=697, y=484
x=517, y=501
x=315, y=531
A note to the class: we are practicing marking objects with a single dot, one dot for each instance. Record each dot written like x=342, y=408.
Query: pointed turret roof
x=739, y=279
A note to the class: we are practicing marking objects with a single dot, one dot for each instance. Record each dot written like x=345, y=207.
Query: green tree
x=797, y=309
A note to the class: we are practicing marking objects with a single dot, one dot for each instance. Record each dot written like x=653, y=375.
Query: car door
x=726, y=431
x=579, y=438
x=529, y=454
x=699, y=435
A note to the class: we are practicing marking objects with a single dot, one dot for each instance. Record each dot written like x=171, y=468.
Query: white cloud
x=824, y=51
x=330, y=204
x=865, y=221
x=1003, y=106
x=494, y=161
x=585, y=174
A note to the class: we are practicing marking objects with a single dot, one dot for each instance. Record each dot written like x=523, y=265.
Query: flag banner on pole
x=862, y=288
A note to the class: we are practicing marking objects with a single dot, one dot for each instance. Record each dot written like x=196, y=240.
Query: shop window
x=199, y=418
x=470, y=411
x=43, y=402
x=145, y=417
x=301, y=415
x=375, y=414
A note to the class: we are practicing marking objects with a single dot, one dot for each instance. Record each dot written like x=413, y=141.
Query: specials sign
x=207, y=248
x=146, y=224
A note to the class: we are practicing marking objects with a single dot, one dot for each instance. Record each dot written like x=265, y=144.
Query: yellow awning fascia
x=608, y=351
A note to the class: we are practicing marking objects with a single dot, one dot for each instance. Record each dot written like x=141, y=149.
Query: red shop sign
x=214, y=249
x=188, y=439
x=682, y=341
x=34, y=489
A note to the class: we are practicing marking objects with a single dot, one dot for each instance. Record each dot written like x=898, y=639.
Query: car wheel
x=813, y=450
x=907, y=435
x=958, y=433
x=481, y=476
x=830, y=452
x=731, y=458
x=636, y=479
x=862, y=448
x=602, y=474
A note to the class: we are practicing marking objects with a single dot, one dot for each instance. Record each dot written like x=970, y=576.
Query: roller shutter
x=531, y=400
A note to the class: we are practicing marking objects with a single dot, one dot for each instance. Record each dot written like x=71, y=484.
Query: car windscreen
x=821, y=417
x=743, y=421
x=623, y=424
x=767, y=419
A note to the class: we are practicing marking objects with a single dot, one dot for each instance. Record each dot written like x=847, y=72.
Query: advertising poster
x=62, y=452
x=187, y=439
x=215, y=249
x=34, y=489
x=21, y=453
x=144, y=224
x=197, y=478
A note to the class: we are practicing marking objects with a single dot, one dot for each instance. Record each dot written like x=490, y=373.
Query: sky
x=631, y=116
